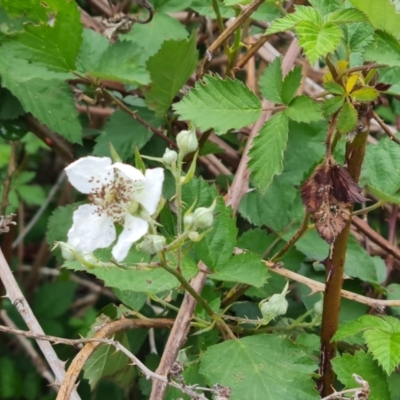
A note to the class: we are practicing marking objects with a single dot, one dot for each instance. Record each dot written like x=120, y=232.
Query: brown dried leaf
x=344, y=188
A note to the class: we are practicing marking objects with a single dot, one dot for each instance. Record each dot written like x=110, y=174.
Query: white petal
x=129, y=172
x=90, y=229
x=150, y=196
x=89, y=173
x=134, y=229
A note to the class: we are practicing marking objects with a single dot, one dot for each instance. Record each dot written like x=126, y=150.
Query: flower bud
x=187, y=142
x=170, y=156
x=275, y=305
x=203, y=217
x=67, y=251
x=193, y=236
x=188, y=221
x=152, y=244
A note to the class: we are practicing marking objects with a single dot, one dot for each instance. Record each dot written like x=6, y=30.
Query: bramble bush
x=206, y=196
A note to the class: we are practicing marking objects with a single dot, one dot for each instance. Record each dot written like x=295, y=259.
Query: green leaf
x=357, y=36
x=267, y=367
x=363, y=365
x=149, y=37
x=11, y=383
x=384, y=344
x=393, y=293
x=219, y=104
x=302, y=13
x=334, y=88
x=44, y=94
x=290, y=84
x=381, y=168
x=132, y=299
x=266, y=155
x=50, y=43
x=59, y=224
x=120, y=63
x=385, y=49
x=169, y=69
x=92, y=49
x=347, y=118
x=170, y=5
x=316, y=40
x=303, y=109
x=108, y=363
x=276, y=209
x=382, y=14
x=330, y=106
x=217, y=246
x=32, y=194
x=326, y=6
x=271, y=81
x=10, y=106
x=345, y=16
x=125, y=133
x=365, y=94
x=243, y=268
x=52, y=299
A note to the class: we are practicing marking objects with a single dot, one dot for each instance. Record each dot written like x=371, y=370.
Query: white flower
x=120, y=194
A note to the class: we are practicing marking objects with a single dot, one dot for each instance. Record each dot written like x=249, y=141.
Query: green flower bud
x=188, y=221
x=152, y=244
x=203, y=217
x=67, y=251
x=187, y=142
x=170, y=156
x=275, y=305
x=194, y=236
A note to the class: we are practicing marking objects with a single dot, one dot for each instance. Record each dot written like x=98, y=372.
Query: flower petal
x=134, y=229
x=90, y=173
x=129, y=172
x=150, y=195
x=90, y=229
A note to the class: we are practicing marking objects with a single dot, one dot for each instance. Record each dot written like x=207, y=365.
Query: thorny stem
x=385, y=128
x=334, y=265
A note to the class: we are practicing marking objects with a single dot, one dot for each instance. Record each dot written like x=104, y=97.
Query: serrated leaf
x=32, y=194
x=49, y=43
x=302, y=13
x=243, y=268
x=382, y=14
x=125, y=133
x=170, y=5
x=169, y=69
x=326, y=6
x=279, y=206
x=317, y=40
x=357, y=36
x=303, y=109
x=384, y=344
x=381, y=168
x=365, y=94
x=271, y=81
x=92, y=49
x=120, y=63
x=290, y=84
x=347, y=15
x=334, y=88
x=347, y=118
x=108, y=363
x=151, y=36
x=219, y=104
x=44, y=94
x=330, y=106
x=266, y=155
x=271, y=367
x=216, y=248
x=363, y=365
x=384, y=49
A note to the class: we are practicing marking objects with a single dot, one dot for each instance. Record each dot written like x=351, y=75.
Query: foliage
x=262, y=167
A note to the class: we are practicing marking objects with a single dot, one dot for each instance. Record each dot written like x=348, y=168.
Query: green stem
x=218, y=15
x=233, y=51
x=373, y=207
x=355, y=152
x=178, y=185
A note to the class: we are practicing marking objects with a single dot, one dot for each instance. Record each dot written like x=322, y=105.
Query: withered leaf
x=344, y=188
